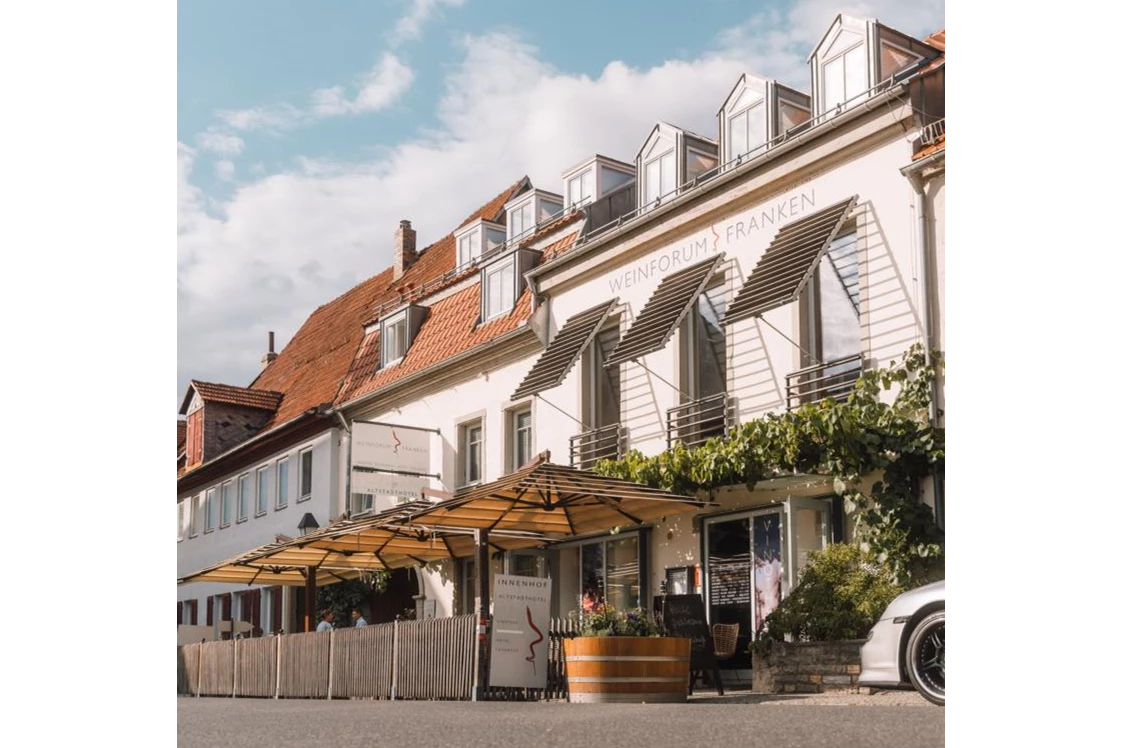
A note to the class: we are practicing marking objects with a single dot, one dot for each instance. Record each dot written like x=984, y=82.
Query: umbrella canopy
x=554, y=501
x=258, y=567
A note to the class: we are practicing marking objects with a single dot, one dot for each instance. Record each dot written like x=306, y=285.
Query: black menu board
x=684, y=616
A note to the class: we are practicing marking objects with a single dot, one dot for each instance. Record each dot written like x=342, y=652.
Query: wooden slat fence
x=305, y=665
x=435, y=658
x=256, y=673
x=362, y=662
x=217, y=669
x=429, y=659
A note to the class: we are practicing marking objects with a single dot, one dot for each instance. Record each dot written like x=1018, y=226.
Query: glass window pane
x=592, y=581
x=790, y=116
x=262, y=491
x=667, y=173
x=227, y=502
x=811, y=528
x=738, y=134
x=894, y=60
x=729, y=575
x=283, y=483
x=244, y=496
x=834, y=89
x=839, y=294
x=622, y=572
x=306, y=474
x=856, y=71
x=651, y=181
x=210, y=510
x=757, y=130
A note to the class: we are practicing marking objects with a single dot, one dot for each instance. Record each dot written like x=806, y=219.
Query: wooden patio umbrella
x=260, y=567
x=553, y=501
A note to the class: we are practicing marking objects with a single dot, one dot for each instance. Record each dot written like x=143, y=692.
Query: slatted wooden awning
x=346, y=548
x=663, y=312
x=786, y=266
x=564, y=350
x=555, y=501
x=259, y=567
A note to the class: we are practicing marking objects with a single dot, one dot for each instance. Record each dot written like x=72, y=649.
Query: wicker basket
x=725, y=639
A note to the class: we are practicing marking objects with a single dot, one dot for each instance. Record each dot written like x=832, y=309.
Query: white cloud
x=378, y=89
x=278, y=117
x=224, y=144
x=224, y=170
x=284, y=244
x=409, y=26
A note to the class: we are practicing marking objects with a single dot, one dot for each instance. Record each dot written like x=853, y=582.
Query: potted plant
x=621, y=656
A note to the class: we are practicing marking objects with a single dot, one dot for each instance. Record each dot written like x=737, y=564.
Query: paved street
x=887, y=719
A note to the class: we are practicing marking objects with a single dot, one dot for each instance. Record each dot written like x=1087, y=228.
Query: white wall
x=209, y=548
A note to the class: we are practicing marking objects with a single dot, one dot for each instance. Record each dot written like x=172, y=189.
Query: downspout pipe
x=914, y=173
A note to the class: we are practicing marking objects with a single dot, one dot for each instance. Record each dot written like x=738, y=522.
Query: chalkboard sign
x=684, y=616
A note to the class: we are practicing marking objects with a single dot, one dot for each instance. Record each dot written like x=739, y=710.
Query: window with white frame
x=362, y=502
x=262, y=490
x=198, y=507
x=499, y=288
x=305, y=475
x=471, y=453
x=395, y=339
x=830, y=310
x=747, y=130
x=181, y=512
x=245, y=488
x=580, y=188
x=659, y=177
x=282, y=483
x=210, y=510
x=469, y=249
x=520, y=219
x=844, y=76
x=227, y=503
x=519, y=437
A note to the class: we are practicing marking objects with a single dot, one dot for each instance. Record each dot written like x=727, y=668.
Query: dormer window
x=476, y=240
x=659, y=177
x=529, y=211
x=756, y=112
x=499, y=289
x=398, y=331
x=855, y=55
x=672, y=158
x=746, y=117
x=503, y=280
x=594, y=178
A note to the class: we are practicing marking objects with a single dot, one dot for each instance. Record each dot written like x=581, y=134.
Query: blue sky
x=307, y=130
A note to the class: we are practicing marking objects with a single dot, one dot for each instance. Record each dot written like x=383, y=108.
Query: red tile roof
x=310, y=369
x=937, y=40
x=449, y=329
x=261, y=399
x=929, y=150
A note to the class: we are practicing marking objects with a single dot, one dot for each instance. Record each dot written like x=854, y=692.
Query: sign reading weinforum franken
x=389, y=460
x=520, y=631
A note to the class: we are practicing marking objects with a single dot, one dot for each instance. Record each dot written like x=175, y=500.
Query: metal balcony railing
x=696, y=421
x=834, y=379
x=604, y=443
x=933, y=132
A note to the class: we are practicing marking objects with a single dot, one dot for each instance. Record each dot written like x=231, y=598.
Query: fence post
x=277, y=674
x=199, y=672
x=331, y=660
x=394, y=664
x=234, y=675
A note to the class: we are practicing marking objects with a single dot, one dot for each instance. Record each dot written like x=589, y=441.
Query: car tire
x=924, y=658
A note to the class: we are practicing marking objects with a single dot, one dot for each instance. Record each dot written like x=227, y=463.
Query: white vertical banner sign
x=520, y=631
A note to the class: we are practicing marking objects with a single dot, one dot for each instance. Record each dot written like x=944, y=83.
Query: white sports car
x=906, y=647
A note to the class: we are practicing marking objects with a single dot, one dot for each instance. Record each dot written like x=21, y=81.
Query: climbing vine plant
x=891, y=438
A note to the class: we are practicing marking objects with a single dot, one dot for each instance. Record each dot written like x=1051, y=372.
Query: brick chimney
x=405, y=249
x=269, y=357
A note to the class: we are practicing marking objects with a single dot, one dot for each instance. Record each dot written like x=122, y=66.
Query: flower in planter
x=602, y=619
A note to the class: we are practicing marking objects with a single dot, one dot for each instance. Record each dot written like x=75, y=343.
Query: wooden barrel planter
x=627, y=669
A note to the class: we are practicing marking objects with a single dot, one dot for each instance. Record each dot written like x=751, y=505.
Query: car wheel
x=924, y=658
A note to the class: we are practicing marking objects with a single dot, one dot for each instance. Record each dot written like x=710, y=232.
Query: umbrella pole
x=310, y=599
x=483, y=571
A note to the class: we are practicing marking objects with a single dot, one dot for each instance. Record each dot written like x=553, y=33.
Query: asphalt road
x=893, y=720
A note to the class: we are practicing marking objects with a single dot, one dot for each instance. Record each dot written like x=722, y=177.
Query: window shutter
x=179, y=614
x=210, y=610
